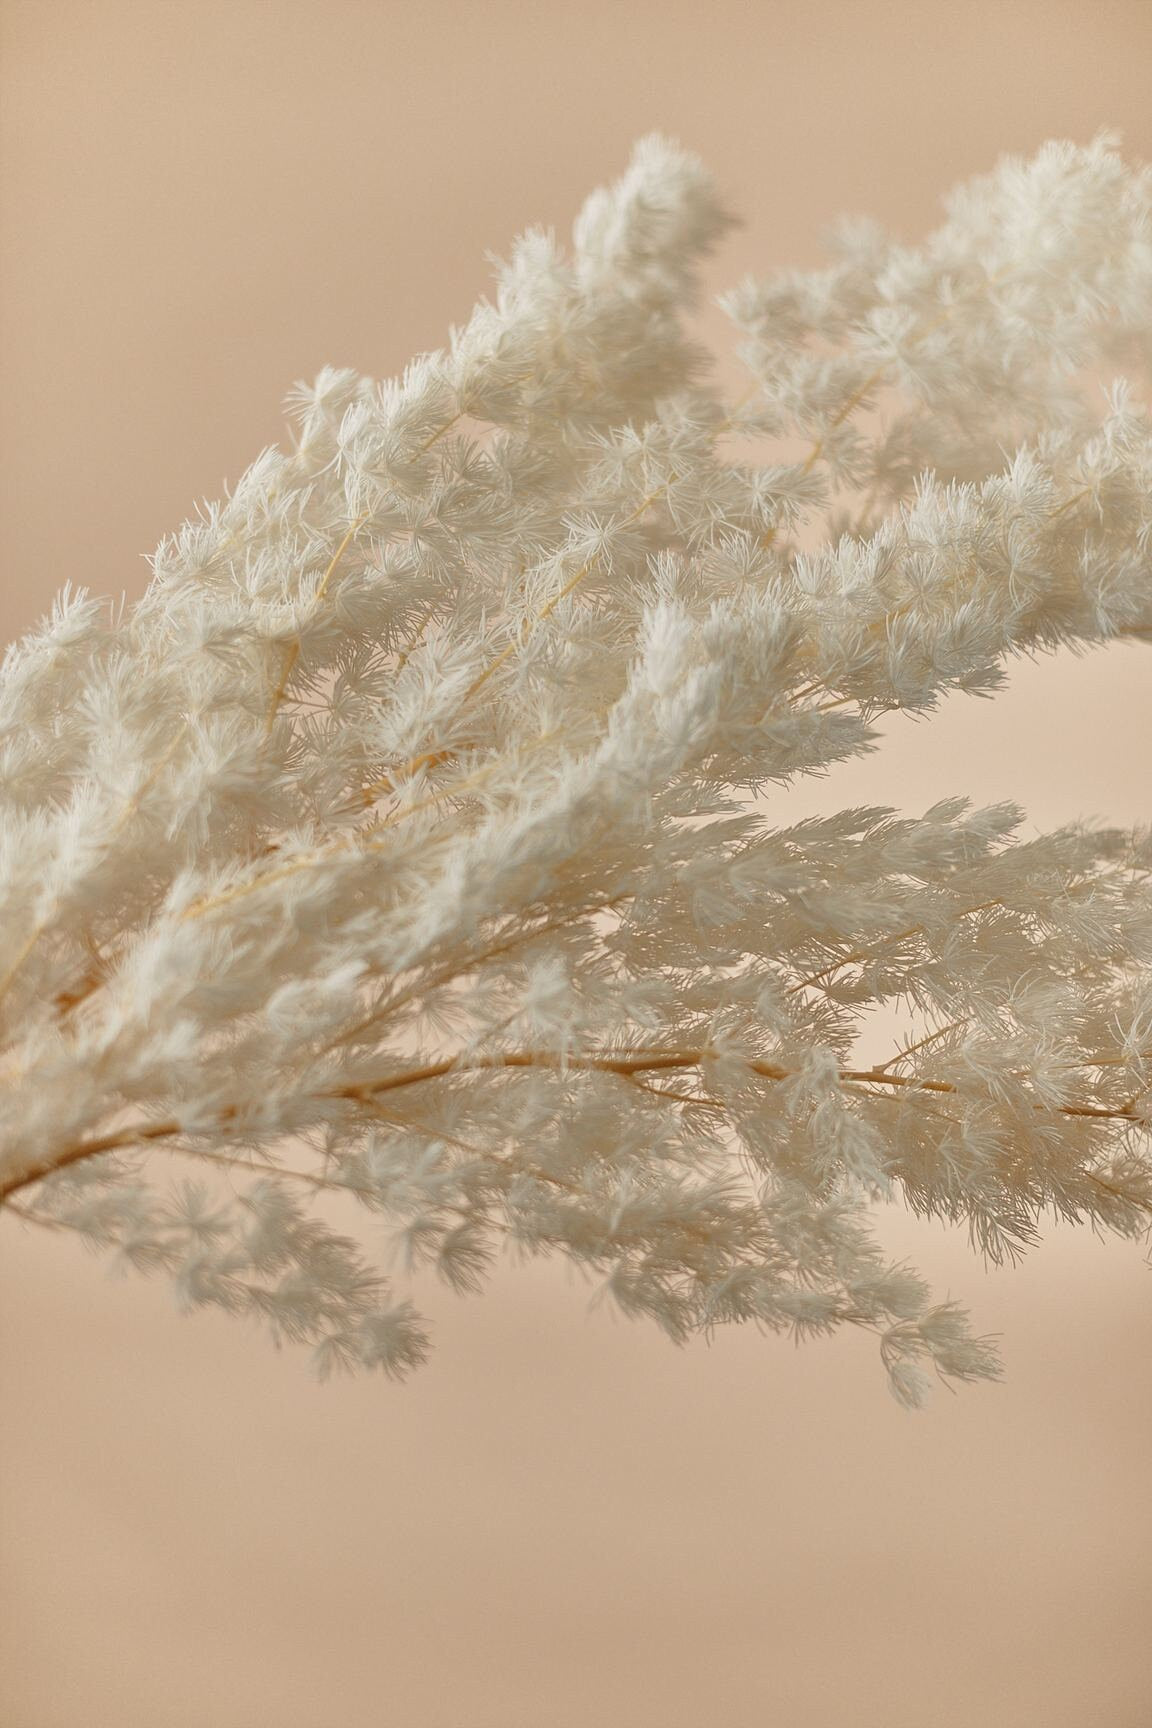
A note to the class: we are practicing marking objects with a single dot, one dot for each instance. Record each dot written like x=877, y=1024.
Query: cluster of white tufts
x=403, y=841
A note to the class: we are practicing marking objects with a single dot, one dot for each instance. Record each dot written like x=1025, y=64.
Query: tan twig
x=625, y=1063
x=292, y=653
x=871, y=948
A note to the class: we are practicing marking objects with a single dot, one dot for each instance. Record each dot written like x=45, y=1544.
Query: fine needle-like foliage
x=417, y=835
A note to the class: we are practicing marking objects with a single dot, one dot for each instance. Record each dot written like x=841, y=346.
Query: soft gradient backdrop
x=563, y=1522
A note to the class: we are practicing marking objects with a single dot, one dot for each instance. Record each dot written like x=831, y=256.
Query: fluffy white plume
x=402, y=841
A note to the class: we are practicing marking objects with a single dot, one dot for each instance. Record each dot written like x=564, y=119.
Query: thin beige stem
x=407, y=652
x=1110, y=1188
x=547, y=610
x=692, y=1098
x=434, y=759
x=293, y=651
x=921, y=1044
x=1118, y=1060
x=625, y=1063
x=1068, y=502
x=424, y=986
x=867, y=952
x=42, y=925
x=853, y=401
x=347, y=843
x=447, y=427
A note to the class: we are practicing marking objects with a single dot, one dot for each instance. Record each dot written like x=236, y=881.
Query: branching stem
x=625, y=1063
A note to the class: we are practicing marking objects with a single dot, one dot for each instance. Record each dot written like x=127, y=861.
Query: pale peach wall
x=563, y=1522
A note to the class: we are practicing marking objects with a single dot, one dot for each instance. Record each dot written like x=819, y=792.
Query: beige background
x=563, y=1522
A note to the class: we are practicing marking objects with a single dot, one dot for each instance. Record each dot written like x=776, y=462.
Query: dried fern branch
x=411, y=816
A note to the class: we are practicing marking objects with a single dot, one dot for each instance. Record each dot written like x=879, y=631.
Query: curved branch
x=625, y=1063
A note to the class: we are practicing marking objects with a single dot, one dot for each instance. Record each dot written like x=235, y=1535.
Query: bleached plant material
x=403, y=839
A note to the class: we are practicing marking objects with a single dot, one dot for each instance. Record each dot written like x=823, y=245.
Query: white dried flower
x=409, y=815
